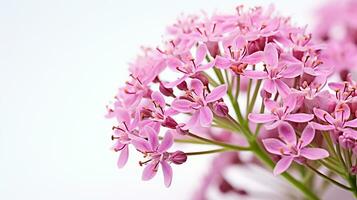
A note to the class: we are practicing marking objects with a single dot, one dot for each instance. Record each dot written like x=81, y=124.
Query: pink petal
x=282, y=165
x=307, y=135
x=292, y=71
x=254, y=58
x=222, y=62
x=193, y=120
x=255, y=74
x=290, y=103
x=274, y=125
x=342, y=112
x=323, y=115
x=274, y=146
x=269, y=86
x=217, y=93
x=299, y=117
x=287, y=133
x=152, y=137
x=239, y=42
x=262, y=118
x=336, y=86
x=174, y=63
x=182, y=105
x=314, y=153
x=167, y=172
x=351, y=123
x=270, y=104
x=322, y=127
x=283, y=89
x=206, y=116
x=166, y=142
x=123, y=158
x=204, y=67
x=122, y=115
x=271, y=55
x=174, y=83
x=200, y=53
x=158, y=98
x=149, y=171
x=141, y=144
x=197, y=87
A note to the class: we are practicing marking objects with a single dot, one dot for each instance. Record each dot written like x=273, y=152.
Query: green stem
x=238, y=88
x=228, y=146
x=206, y=152
x=327, y=178
x=255, y=94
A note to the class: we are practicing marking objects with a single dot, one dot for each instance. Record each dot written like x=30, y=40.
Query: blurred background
x=61, y=62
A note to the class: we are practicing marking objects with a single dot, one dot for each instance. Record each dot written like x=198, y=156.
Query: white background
x=61, y=62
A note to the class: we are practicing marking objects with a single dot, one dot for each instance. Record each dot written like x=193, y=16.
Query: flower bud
x=220, y=109
x=178, y=157
x=166, y=91
x=182, y=86
x=169, y=123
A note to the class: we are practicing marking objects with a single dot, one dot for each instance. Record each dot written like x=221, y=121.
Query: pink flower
x=197, y=101
x=156, y=154
x=123, y=134
x=275, y=72
x=190, y=67
x=280, y=113
x=290, y=149
x=338, y=122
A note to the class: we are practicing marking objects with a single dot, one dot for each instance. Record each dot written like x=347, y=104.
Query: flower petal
x=197, y=86
x=323, y=115
x=270, y=104
x=314, y=153
x=193, y=120
x=299, y=117
x=287, y=133
x=158, y=98
x=282, y=165
x=217, y=93
x=123, y=158
x=200, y=53
x=274, y=146
x=182, y=105
x=174, y=63
x=269, y=86
x=322, y=127
x=174, y=83
x=271, y=55
x=150, y=171
x=254, y=58
x=206, y=116
x=262, y=118
x=167, y=172
x=351, y=123
x=292, y=71
x=283, y=89
x=152, y=137
x=166, y=142
x=222, y=62
x=307, y=135
x=255, y=74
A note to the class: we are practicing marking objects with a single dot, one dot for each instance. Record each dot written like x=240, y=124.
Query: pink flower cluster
x=212, y=67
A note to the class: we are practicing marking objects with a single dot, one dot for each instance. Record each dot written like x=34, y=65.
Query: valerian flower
x=279, y=113
x=197, y=102
x=274, y=72
x=292, y=149
x=156, y=154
